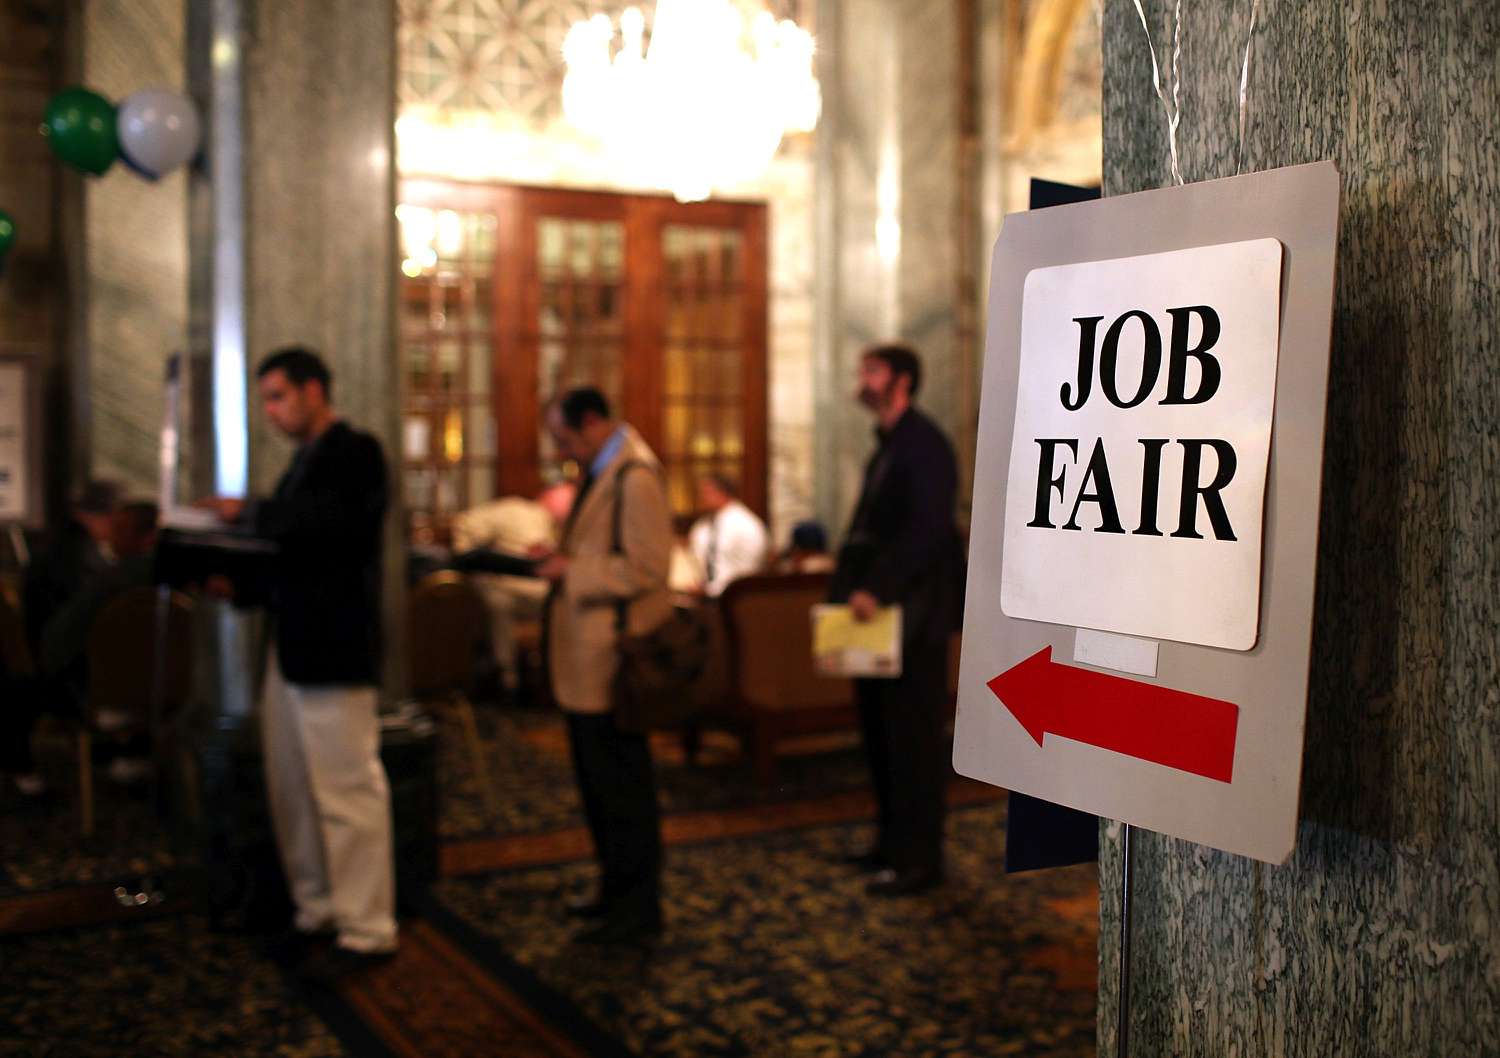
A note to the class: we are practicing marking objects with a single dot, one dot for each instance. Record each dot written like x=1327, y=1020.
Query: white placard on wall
x=1168, y=730
x=1143, y=428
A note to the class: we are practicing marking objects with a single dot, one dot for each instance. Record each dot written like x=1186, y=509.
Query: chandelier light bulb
x=705, y=105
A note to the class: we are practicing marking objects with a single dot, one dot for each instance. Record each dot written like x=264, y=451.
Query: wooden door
x=708, y=336
x=660, y=304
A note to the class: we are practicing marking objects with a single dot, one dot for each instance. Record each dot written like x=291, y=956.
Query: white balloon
x=158, y=130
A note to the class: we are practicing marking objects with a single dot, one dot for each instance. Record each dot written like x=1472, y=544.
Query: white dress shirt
x=728, y=545
x=512, y=525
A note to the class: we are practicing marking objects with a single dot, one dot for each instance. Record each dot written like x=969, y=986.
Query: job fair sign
x=1146, y=496
x=1143, y=422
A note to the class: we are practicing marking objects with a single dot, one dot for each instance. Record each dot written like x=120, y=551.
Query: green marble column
x=294, y=228
x=1381, y=936
x=135, y=307
x=887, y=255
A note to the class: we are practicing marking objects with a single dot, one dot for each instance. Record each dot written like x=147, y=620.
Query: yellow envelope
x=843, y=646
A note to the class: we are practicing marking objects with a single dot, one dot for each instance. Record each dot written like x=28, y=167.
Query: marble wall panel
x=1381, y=936
x=135, y=236
x=862, y=252
x=927, y=102
x=888, y=183
x=320, y=208
x=320, y=242
x=45, y=205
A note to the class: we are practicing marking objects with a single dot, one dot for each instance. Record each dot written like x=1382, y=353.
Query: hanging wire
x=1239, y=161
x=1176, y=83
x=1173, y=113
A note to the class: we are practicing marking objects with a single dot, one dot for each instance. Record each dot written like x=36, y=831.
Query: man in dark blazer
x=903, y=549
x=330, y=800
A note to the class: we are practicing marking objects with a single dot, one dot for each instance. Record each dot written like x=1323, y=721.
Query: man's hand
x=555, y=568
x=863, y=605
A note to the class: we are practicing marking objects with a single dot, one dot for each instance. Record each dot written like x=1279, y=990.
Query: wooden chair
x=531, y=666
x=777, y=693
x=140, y=673
x=449, y=628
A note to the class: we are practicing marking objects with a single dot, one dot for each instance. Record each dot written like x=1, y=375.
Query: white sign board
x=1139, y=653
x=1143, y=427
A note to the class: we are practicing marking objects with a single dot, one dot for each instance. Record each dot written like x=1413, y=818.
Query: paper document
x=843, y=646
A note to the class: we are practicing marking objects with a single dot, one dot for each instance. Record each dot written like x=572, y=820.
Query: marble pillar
x=887, y=182
x=135, y=248
x=1381, y=935
x=320, y=204
x=304, y=97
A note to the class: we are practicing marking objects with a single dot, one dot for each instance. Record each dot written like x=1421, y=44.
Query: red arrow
x=1173, y=728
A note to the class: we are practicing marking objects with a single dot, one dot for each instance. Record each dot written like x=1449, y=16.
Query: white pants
x=331, y=808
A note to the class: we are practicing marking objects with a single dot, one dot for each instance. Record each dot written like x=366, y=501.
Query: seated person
x=75, y=555
x=729, y=540
x=807, y=552
x=497, y=544
x=65, y=637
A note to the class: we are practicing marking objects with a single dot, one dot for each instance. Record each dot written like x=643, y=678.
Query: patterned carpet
x=532, y=772
x=163, y=988
x=42, y=847
x=771, y=948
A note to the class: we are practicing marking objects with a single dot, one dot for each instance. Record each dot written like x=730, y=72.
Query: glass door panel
x=704, y=302
x=511, y=295
x=446, y=353
x=581, y=272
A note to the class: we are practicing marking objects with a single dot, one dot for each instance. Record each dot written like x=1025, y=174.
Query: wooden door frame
x=516, y=348
x=751, y=219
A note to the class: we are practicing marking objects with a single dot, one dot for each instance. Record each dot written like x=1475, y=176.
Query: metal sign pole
x=1127, y=869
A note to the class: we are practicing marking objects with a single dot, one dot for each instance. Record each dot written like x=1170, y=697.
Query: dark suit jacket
x=326, y=515
x=65, y=637
x=903, y=545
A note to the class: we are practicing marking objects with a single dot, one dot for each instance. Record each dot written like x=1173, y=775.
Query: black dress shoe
x=871, y=860
x=293, y=945
x=330, y=965
x=622, y=929
x=890, y=882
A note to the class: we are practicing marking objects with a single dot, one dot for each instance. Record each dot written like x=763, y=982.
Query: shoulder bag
x=657, y=670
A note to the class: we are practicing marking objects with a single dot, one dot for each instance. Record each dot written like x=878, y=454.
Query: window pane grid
x=703, y=389
x=446, y=350
x=580, y=326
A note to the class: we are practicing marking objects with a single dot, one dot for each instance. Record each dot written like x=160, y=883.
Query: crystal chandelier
x=697, y=109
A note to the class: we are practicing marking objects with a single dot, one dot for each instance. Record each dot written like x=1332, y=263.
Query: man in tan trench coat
x=593, y=575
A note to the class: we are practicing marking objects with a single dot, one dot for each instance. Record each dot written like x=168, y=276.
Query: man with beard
x=903, y=549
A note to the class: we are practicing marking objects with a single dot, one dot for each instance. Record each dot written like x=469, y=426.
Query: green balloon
x=81, y=127
x=7, y=233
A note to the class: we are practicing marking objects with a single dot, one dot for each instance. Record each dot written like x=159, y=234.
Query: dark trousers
x=618, y=787
x=902, y=724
